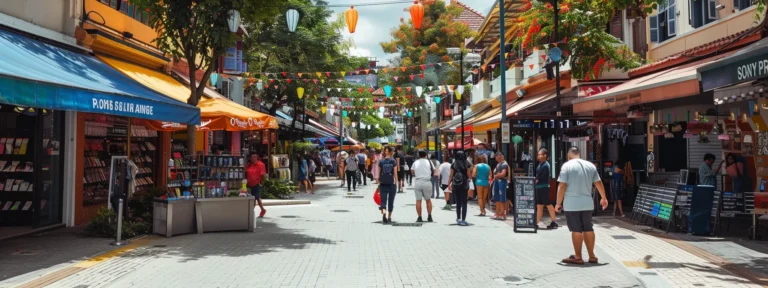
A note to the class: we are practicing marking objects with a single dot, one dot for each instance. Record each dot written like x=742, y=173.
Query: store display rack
x=17, y=177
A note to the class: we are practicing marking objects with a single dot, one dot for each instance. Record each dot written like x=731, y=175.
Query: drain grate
x=27, y=252
x=160, y=246
x=514, y=280
x=289, y=216
x=648, y=273
x=407, y=224
x=354, y=196
x=340, y=211
x=81, y=286
x=623, y=237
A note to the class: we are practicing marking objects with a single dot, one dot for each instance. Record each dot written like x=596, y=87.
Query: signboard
x=761, y=202
x=750, y=68
x=732, y=204
x=588, y=91
x=525, y=204
x=505, y=137
x=656, y=202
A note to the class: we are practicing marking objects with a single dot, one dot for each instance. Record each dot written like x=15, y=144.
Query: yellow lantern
x=323, y=109
x=300, y=92
x=351, y=17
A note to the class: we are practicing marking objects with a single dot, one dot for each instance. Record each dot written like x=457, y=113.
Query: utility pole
x=503, y=64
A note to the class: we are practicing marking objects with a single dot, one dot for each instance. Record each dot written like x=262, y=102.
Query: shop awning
x=286, y=121
x=217, y=112
x=432, y=145
x=748, y=64
x=681, y=81
x=330, y=132
x=37, y=74
x=491, y=119
x=470, y=113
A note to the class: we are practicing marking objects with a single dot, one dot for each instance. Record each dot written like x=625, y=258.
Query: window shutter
x=654, y=24
x=672, y=19
x=712, y=10
x=225, y=89
x=617, y=29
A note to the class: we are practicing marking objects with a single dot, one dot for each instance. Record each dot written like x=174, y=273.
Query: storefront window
x=51, y=168
x=105, y=136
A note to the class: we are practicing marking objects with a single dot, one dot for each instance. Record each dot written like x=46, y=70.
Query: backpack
x=387, y=171
x=351, y=162
x=459, y=176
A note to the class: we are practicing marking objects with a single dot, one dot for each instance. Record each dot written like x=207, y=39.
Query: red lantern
x=351, y=17
x=417, y=14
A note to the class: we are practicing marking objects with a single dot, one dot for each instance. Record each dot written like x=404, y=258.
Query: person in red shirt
x=254, y=172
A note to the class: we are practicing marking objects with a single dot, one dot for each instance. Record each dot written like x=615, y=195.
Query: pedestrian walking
x=422, y=171
x=352, y=168
x=387, y=184
x=311, y=167
x=482, y=174
x=408, y=172
x=342, y=170
x=254, y=173
x=303, y=174
x=501, y=179
x=362, y=159
x=542, y=191
x=618, y=190
x=398, y=156
x=575, y=192
x=375, y=166
x=445, y=179
x=460, y=186
x=435, y=177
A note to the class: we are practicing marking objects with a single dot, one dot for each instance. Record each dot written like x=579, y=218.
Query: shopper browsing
x=254, y=173
x=500, y=181
x=575, y=192
x=482, y=173
x=422, y=171
x=387, y=184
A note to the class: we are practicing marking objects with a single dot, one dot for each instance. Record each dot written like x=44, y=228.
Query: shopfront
x=46, y=94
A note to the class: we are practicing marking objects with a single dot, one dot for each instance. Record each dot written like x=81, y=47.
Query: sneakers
x=263, y=211
x=553, y=225
x=447, y=207
x=463, y=223
x=429, y=218
x=418, y=220
x=384, y=219
x=541, y=225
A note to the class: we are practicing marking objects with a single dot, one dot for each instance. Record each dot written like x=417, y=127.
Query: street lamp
x=472, y=57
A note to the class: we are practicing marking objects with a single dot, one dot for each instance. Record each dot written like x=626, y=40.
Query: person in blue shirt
x=542, y=190
x=618, y=190
x=482, y=175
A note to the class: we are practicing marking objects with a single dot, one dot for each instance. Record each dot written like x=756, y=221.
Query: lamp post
x=503, y=76
x=438, y=146
x=460, y=90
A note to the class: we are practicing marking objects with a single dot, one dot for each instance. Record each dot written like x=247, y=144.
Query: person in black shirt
x=398, y=156
x=409, y=161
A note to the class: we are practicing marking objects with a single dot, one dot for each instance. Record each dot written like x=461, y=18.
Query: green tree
x=197, y=31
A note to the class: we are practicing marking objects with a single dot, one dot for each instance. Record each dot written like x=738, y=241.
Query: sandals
x=593, y=260
x=572, y=260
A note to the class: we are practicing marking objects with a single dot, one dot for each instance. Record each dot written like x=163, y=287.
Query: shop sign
x=735, y=73
x=505, y=133
x=523, y=124
x=245, y=124
x=592, y=90
x=111, y=106
x=761, y=202
x=762, y=143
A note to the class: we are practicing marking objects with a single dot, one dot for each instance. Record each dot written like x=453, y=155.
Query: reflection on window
x=125, y=7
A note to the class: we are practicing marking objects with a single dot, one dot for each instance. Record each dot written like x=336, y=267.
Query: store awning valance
x=492, y=118
x=37, y=74
x=286, y=121
x=217, y=112
x=432, y=145
x=748, y=64
x=472, y=112
x=677, y=82
x=320, y=126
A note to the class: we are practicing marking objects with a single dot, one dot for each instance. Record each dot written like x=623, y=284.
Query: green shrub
x=276, y=189
x=104, y=224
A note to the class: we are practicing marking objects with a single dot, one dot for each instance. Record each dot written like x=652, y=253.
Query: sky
x=375, y=22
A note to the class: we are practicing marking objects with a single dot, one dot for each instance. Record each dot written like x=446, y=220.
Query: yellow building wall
x=120, y=22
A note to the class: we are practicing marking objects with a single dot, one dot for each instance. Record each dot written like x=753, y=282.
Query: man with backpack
x=388, y=177
x=460, y=186
x=351, y=172
x=422, y=171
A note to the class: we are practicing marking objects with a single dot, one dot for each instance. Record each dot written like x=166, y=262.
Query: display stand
x=281, y=165
x=683, y=205
x=655, y=202
x=525, y=205
x=225, y=214
x=174, y=217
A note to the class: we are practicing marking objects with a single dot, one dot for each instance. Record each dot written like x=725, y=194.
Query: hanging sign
x=505, y=137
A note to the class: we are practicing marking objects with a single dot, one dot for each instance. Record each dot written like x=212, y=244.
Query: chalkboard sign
x=525, y=204
x=732, y=204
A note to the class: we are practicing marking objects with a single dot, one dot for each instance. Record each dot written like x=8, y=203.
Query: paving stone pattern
x=318, y=246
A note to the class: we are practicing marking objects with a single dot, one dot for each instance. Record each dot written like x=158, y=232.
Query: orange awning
x=216, y=111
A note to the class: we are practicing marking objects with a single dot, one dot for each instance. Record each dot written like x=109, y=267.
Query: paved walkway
x=339, y=241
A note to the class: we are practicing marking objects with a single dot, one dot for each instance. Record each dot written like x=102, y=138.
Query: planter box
x=171, y=218
x=225, y=214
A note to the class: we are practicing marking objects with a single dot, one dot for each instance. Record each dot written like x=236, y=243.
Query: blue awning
x=37, y=74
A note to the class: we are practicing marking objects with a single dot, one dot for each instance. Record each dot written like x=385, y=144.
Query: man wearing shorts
x=575, y=192
x=542, y=191
x=422, y=173
x=445, y=174
x=500, y=181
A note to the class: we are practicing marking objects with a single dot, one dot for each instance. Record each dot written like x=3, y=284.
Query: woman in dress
x=482, y=175
x=375, y=165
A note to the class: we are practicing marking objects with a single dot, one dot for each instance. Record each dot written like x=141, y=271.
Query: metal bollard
x=118, y=241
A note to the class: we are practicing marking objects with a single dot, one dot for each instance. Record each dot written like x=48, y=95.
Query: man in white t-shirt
x=422, y=173
x=445, y=175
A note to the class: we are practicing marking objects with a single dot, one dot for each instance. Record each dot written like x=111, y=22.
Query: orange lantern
x=417, y=14
x=351, y=17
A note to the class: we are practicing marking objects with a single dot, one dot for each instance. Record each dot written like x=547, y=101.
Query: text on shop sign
x=120, y=106
x=752, y=70
x=246, y=123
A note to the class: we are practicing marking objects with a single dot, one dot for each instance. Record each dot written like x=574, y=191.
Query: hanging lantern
x=354, y=124
x=351, y=17
x=233, y=21
x=388, y=91
x=381, y=109
x=323, y=109
x=437, y=100
x=417, y=14
x=459, y=91
x=300, y=92
x=377, y=125
x=292, y=17
x=410, y=114
x=419, y=89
